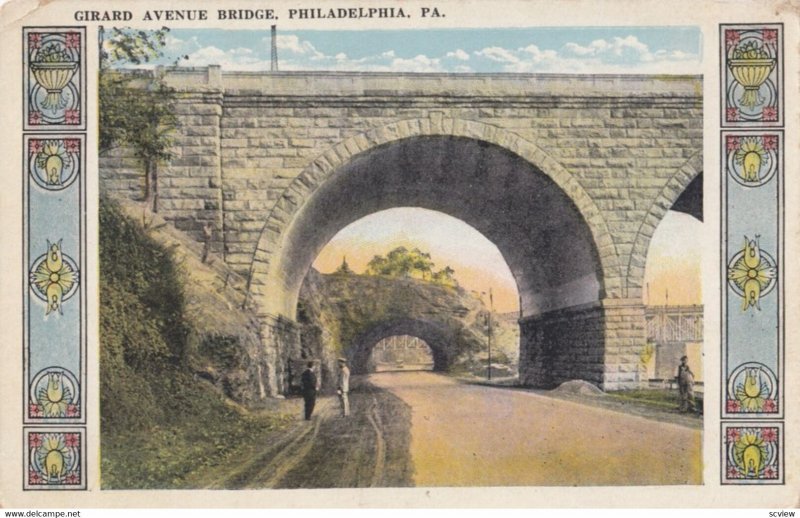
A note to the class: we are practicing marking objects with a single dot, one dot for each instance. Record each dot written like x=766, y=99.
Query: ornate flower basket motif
x=751, y=74
x=54, y=77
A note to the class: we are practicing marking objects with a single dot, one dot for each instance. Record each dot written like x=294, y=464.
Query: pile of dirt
x=579, y=388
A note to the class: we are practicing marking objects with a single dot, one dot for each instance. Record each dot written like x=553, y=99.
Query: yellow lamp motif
x=751, y=156
x=52, y=159
x=750, y=454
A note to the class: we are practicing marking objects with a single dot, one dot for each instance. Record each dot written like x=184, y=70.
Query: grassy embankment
x=160, y=423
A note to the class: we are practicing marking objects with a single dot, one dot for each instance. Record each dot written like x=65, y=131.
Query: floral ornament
x=54, y=277
x=55, y=397
x=52, y=458
x=752, y=274
x=752, y=453
x=752, y=388
x=751, y=156
x=750, y=66
x=52, y=158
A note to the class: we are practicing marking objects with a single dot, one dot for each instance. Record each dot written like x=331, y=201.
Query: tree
x=344, y=268
x=401, y=262
x=136, y=109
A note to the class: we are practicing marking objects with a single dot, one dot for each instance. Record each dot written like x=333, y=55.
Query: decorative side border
x=54, y=296
x=752, y=252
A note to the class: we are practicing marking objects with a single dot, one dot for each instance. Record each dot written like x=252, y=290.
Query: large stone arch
x=670, y=193
x=265, y=274
x=442, y=339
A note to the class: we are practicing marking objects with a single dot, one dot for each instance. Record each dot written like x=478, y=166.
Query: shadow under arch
x=277, y=291
x=543, y=237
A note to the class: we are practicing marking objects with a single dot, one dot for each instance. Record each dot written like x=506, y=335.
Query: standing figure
x=208, y=233
x=686, y=385
x=344, y=386
x=309, y=382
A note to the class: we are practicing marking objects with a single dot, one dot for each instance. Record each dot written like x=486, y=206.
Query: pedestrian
x=309, y=382
x=686, y=385
x=208, y=233
x=344, y=386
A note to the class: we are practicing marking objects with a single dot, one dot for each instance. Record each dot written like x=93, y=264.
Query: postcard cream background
x=465, y=14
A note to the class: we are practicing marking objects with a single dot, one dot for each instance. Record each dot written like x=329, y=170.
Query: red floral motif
x=770, y=36
x=73, y=478
x=34, y=477
x=34, y=440
x=732, y=114
x=72, y=145
x=72, y=411
x=770, y=113
x=731, y=38
x=35, y=410
x=733, y=434
x=733, y=405
x=733, y=143
x=34, y=146
x=72, y=440
x=770, y=472
x=72, y=40
x=770, y=143
x=733, y=472
x=769, y=434
x=73, y=116
x=35, y=118
x=35, y=40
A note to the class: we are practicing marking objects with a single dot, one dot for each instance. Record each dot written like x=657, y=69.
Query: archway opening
x=400, y=353
x=537, y=227
x=673, y=290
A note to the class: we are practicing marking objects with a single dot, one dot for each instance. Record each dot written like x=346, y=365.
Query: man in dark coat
x=309, y=382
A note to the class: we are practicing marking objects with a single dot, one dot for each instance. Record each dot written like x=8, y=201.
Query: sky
x=673, y=261
x=675, y=50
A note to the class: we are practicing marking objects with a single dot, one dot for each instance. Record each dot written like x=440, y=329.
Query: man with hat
x=344, y=386
x=686, y=385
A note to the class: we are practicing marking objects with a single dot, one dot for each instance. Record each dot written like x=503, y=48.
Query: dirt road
x=464, y=435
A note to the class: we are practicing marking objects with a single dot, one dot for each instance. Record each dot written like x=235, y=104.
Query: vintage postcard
x=400, y=254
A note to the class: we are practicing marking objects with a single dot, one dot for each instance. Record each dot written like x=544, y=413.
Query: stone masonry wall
x=562, y=345
x=600, y=343
x=240, y=149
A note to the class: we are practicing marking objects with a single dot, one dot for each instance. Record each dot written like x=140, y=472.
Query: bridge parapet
x=474, y=85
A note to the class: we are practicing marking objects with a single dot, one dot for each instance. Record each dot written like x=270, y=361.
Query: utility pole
x=489, y=334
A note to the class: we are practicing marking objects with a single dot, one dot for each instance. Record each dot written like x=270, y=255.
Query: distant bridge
x=674, y=323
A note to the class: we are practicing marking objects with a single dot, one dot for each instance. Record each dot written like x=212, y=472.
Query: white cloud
x=498, y=54
x=624, y=54
x=616, y=55
x=292, y=44
x=458, y=54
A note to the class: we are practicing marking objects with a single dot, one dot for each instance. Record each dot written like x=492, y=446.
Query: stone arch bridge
x=568, y=175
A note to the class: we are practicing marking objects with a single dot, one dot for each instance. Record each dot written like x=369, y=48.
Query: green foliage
x=401, y=262
x=136, y=110
x=344, y=268
x=159, y=423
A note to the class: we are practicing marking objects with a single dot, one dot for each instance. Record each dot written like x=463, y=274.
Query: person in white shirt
x=344, y=386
